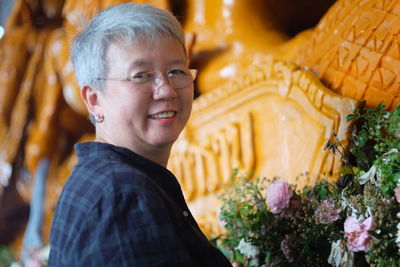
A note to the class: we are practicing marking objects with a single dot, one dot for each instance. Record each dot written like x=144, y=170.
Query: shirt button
x=185, y=213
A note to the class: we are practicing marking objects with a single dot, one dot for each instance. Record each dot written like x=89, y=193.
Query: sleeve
x=129, y=229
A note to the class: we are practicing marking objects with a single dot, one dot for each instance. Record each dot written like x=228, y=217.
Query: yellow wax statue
x=232, y=35
x=59, y=119
x=21, y=56
x=29, y=37
x=17, y=46
x=229, y=35
x=355, y=51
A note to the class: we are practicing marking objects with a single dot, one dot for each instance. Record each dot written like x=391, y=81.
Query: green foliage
x=375, y=141
x=6, y=257
x=247, y=217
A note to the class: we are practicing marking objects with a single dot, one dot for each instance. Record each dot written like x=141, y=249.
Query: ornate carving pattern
x=355, y=50
x=274, y=120
x=204, y=167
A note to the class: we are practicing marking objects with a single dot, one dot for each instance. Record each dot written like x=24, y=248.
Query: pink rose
x=397, y=194
x=278, y=196
x=357, y=234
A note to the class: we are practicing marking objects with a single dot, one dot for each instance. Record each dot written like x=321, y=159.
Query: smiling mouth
x=163, y=115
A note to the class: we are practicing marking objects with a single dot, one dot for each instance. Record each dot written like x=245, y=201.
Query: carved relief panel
x=274, y=120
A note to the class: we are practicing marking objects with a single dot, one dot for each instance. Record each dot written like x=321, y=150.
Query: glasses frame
x=193, y=73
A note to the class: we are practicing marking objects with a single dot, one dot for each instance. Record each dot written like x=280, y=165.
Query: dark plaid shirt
x=120, y=209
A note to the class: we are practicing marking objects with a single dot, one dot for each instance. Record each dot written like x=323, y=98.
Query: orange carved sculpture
x=274, y=119
x=22, y=50
x=17, y=47
x=355, y=51
x=231, y=35
x=225, y=43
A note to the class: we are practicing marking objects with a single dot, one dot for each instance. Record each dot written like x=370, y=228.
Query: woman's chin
x=163, y=141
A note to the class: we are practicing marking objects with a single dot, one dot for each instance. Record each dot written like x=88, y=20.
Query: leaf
x=350, y=117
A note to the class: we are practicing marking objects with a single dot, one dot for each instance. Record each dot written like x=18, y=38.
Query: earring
x=99, y=118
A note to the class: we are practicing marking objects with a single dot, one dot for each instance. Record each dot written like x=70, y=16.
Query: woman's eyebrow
x=139, y=63
x=178, y=61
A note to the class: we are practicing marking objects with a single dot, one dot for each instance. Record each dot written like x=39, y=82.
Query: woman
x=121, y=206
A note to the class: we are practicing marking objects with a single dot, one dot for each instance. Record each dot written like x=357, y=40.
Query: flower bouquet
x=353, y=222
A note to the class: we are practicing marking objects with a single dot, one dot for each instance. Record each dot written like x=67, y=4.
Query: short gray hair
x=125, y=22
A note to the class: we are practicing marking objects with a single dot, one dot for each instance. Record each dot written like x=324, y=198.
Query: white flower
x=372, y=175
x=345, y=204
x=247, y=249
x=340, y=255
x=386, y=156
x=368, y=212
x=398, y=236
x=44, y=253
x=398, y=232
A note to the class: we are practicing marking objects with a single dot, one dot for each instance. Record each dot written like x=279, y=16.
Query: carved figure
x=21, y=55
x=232, y=35
x=17, y=46
x=224, y=44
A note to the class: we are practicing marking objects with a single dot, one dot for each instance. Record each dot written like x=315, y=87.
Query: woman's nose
x=160, y=78
x=163, y=88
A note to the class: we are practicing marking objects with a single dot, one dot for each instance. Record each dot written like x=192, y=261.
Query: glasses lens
x=182, y=78
x=176, y=78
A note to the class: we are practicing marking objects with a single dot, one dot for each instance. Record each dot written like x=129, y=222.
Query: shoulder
x=106, y=203
x=105, y=181
x=118, y=225
x=98, y=184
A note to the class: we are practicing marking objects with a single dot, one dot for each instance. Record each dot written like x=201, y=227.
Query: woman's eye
x=142, y=77
x=177, y=73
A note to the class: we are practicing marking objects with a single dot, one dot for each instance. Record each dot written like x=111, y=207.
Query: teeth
x=162, y=115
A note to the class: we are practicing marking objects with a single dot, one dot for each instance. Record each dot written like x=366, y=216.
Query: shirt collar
x=159, y=174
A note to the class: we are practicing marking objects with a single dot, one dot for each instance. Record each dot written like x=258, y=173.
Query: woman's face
x=142, y=117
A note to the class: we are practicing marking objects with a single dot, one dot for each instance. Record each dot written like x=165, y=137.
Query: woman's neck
x=159, y=155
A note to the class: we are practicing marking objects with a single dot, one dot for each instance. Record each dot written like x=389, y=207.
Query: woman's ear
x=91, y=98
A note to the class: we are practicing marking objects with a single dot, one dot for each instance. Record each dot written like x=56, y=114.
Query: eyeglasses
x=178, y=78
